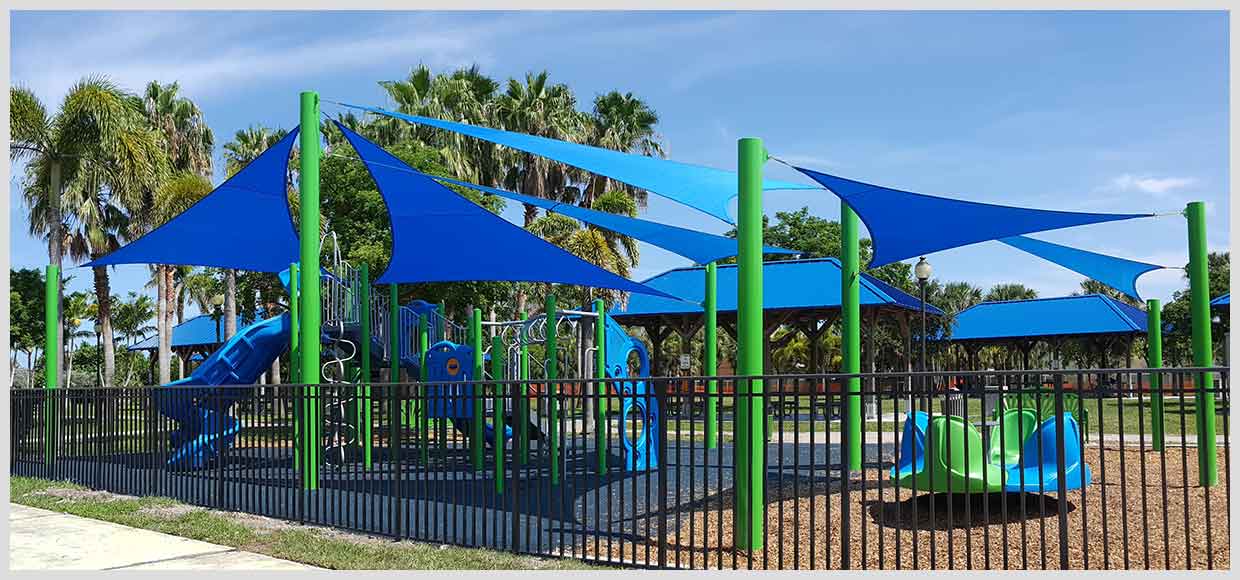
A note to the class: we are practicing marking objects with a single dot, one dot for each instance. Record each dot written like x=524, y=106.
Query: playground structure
x=376, y=382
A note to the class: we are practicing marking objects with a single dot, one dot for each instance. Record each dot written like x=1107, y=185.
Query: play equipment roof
x=905, y=225
x=1064, y=317
x=706, y=189
x=698, y=246
x=1224, y=300
x=198, y=331
x=439, y=236
x=812, y=284
x=1118, y=273
x=243, y=224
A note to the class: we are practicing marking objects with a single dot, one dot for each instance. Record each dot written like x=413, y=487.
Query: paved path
x=46, y=540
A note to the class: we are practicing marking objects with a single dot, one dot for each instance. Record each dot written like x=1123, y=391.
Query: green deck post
x=1203, y=347
x=423, y=416
x=710, y=346
x=497, y=409
x=364, y=419
x=850, y=343
x=750, y=451
x=51, y=355
x=311, y=306
x=476, y=445
x=600, y=373
x=523, y=404
x=553, y=390
x=1154, y=361
x=294, y=357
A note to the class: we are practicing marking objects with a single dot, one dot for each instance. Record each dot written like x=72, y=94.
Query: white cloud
x=1157, y=186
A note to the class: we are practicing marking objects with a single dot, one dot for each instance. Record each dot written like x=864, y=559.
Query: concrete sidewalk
x=46, y=540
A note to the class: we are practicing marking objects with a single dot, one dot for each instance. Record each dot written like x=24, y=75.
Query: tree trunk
x=69, y=364
x=275, y=371
x=103, y=298
x=230, y=304
x=165, y=329
x=55, y=250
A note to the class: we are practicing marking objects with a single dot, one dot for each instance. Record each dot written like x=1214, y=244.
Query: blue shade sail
x=439, y=236
x=1117, y=273
x=905, y=225
x=1066, y=317
x=1224, y=300
x=698, y=246
x=243, y=224
x=706, y=189
x=787, y=285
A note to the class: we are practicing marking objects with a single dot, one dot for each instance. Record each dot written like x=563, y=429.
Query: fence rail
x=1001, y=444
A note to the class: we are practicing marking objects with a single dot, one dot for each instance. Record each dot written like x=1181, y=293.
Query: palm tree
x=1012, y=291
x=247, y=144
x=78, y=307
x=601, y=247
x=624, y=123
x=188, y=138
x=1091, y=286
x=95, y=128
x=175, y=195
x=133, y=317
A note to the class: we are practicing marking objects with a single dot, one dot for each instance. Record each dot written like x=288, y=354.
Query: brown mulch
x=1123, y=530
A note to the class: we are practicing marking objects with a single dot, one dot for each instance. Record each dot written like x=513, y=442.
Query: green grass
x=314, y=546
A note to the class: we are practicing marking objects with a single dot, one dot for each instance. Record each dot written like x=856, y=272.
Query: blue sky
x=1112, y=112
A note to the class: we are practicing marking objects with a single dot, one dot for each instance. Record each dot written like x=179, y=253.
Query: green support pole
x=423, y=418
x=294, y=357
x=1203, y=347
x=523, y=404
x=443, y=328
x=497, y=409
x=364, y=419
x=710, y=346
x=553, y=390
x=311, y=307
x=750, y=451
x=51, y=356
x=850, y=343
x=476, y=446
x=600, y=373
x=1153, y=334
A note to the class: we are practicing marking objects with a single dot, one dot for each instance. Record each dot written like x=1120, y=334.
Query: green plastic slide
x=955, y=460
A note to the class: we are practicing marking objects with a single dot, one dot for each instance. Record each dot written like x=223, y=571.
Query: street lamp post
x=923, y=270
x=216, y=302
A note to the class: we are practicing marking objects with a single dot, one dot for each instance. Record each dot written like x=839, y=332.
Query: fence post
x=660, y=393
x=219, y=449
x=1060, y=472
x=1203, y=347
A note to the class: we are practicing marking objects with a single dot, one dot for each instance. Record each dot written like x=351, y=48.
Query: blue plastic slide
x=204, y=426
x=640, y=452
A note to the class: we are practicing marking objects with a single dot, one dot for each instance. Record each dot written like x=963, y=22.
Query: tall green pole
x=1203, y=347
x=294, y=361
x=476, y=446
x=497, y=409
x=600, y=375
x=364, y=415
x=1153, y=337
x=710, y=346
x=51, y=354
x=553, y=390
x=750, y=451
x=423, y=418
x=850, y=343
x=523, y=404
x=311, y=307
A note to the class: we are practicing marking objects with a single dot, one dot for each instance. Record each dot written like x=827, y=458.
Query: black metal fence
x=573, y=491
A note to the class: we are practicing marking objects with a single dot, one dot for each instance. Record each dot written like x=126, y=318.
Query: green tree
x=78, y=307
x=1010, y=291
x=625, y=123
x=25, y=316
x=96, y=139
x=1090, y=286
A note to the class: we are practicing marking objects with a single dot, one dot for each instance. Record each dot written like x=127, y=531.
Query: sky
x=1100, y=112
